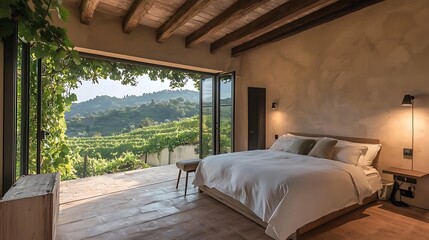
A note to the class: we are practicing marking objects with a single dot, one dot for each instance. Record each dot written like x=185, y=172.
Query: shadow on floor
x=417, y=213
x=337, y=222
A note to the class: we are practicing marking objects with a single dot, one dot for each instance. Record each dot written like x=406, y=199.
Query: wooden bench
x=187, y=166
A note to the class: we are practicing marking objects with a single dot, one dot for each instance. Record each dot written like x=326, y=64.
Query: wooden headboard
x=351, y=139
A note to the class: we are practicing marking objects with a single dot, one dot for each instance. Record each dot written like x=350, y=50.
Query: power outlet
x=408, y=153
x=406, y=179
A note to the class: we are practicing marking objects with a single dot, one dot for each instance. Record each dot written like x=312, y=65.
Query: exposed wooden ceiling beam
x=87, y=8
x=277, y=17
x=185, y=13
x=237, y=10
x=326, y=14
x=135, y=14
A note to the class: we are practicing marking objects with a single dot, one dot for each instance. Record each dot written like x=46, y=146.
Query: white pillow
x=281, y=143
x=349, y=154
x=369, y=156
x=303, y=137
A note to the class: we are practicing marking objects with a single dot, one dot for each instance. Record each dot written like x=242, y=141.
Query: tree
x=146, y=122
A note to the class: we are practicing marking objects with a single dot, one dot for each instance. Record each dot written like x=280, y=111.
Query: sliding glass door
x=22, y=76
x=206, y=117
x=225, y=116
x=217, y=114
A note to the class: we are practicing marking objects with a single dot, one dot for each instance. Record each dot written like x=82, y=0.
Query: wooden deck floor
x=144, y=204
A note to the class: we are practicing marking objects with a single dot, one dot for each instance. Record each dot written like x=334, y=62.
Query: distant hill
x=106, y=103
x=128, y=118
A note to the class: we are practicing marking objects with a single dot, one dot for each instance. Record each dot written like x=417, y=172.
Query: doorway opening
x=55, y=132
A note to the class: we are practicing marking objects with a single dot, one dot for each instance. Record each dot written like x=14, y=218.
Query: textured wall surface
x=348, y=77
x=104, y=36
x=1, y=116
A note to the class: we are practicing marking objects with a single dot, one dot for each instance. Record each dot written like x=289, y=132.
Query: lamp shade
x=407, y=101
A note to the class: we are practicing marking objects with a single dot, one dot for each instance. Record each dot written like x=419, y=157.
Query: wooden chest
x=29, y=210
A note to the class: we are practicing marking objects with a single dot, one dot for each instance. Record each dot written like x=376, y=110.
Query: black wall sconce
x=408, y=101
x=274, y=105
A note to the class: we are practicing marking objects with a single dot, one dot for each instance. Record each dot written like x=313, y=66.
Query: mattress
x=286, y=190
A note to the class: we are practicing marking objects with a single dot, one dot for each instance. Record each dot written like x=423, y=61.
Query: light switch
x=408, y=153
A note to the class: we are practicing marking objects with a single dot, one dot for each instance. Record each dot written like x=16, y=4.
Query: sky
x=88, y=90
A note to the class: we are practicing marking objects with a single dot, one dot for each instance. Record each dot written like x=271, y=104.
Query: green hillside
x=126, y=119
x=106, y=103
x=125, y=151
x=151, y=139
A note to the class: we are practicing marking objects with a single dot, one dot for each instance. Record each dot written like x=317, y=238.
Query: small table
x=403, y=175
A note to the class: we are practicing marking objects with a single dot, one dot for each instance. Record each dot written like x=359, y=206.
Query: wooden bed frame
x=239, y=207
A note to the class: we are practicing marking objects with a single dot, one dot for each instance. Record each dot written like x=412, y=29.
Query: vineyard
x=151, y=139
x=127, y=151
x=108, y=154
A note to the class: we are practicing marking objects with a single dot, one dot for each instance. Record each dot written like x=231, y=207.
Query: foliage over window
x=63, y=69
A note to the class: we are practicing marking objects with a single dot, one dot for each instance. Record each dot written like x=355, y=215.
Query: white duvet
x=285, y=190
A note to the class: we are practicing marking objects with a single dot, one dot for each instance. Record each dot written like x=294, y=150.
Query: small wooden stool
x=187, y=166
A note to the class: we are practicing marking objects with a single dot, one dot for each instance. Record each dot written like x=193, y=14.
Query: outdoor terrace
x=144, y=204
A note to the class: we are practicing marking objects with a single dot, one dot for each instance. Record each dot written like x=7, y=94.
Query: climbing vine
x=63, y=70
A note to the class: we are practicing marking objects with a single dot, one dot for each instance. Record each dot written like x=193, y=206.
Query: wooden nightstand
x=403, y=175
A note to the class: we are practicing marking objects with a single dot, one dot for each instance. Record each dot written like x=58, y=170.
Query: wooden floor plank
x=145, y=204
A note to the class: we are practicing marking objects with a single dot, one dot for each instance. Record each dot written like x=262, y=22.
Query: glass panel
x=207, y=117
x=225, y=113
x=207, y=91
x=33, y=115
x=18, y=112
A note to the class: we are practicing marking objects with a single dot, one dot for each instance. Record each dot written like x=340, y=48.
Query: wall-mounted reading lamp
x=274, y=105
x=408, y=101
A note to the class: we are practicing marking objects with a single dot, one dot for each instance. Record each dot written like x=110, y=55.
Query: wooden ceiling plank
x=185, y=13
x=275, y=18
x=324, y=15
x=237, y=10
x=135, y=14
x=87, y=9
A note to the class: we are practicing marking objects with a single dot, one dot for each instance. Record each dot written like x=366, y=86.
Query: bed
x=288, y=193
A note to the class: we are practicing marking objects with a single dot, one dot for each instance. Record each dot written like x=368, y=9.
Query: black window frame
x=10, y=109
x=216, y=112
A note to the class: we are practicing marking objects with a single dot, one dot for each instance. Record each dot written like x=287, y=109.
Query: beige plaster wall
x=1, y=115
x=104, y=36
x=348, y=77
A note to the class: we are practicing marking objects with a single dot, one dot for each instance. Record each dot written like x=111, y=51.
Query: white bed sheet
x=275, y=186
x=374, y=179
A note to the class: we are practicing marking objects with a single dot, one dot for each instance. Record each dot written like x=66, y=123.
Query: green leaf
x=63, y=14
x=38, y=51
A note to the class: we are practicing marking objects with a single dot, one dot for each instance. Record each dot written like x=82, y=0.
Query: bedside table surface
x=405, y=172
